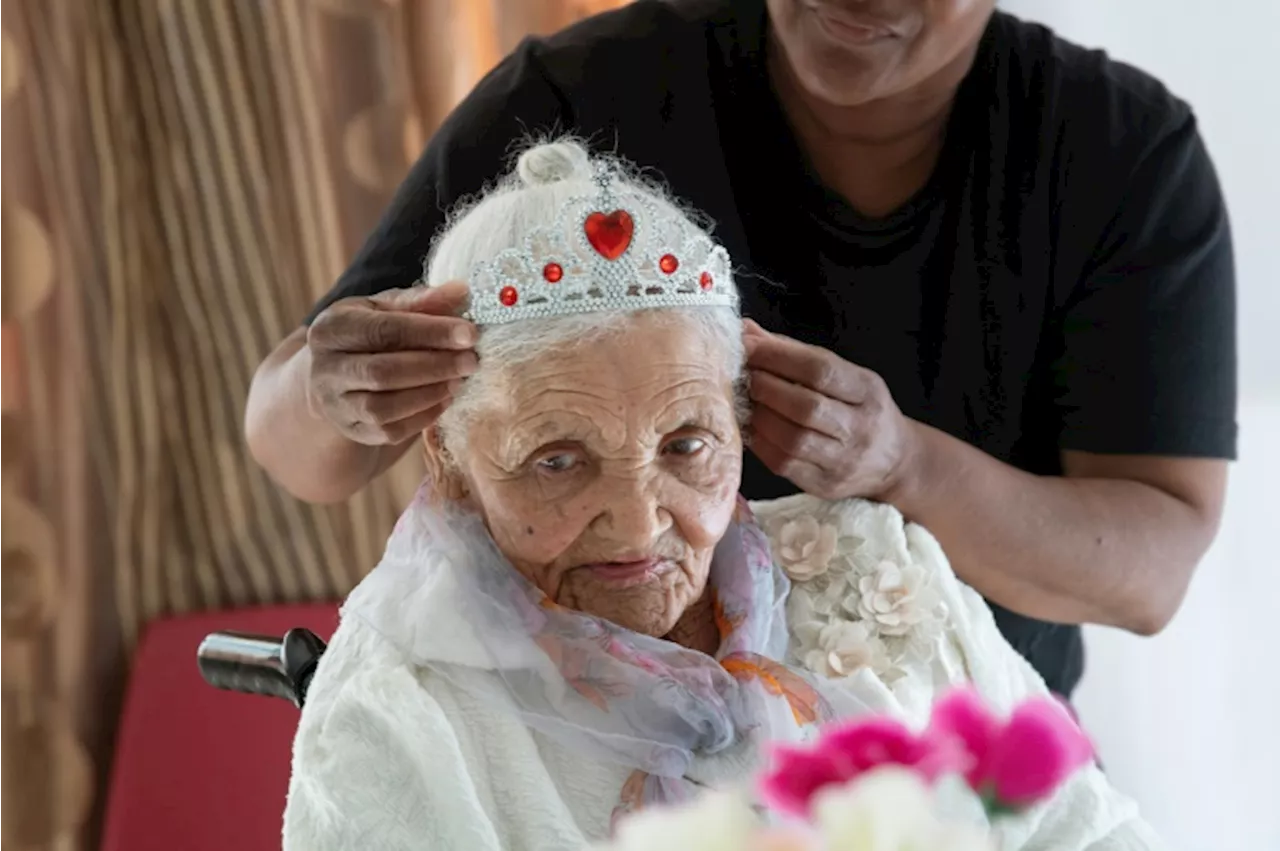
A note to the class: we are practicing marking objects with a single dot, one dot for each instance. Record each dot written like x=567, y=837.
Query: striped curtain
x=182, y=178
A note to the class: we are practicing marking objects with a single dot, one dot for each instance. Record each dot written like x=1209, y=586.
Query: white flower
x=844, y=647
x=718, y=821
x=890, y=809
x=826, y=597
x=805, y=547
x=805, y=623
x=896, y=598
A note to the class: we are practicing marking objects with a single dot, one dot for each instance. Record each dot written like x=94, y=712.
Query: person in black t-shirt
x=990, y=274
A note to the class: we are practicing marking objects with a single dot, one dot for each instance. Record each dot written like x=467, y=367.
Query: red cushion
x=197, y=768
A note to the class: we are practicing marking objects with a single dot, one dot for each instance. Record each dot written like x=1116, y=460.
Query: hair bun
x=553, y=162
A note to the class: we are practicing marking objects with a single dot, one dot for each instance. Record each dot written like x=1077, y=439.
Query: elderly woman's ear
x=447, y=482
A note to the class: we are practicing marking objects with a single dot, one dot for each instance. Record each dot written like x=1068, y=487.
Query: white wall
x=1189, y=722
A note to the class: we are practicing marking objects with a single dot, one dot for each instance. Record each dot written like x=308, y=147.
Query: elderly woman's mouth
x=630, y=572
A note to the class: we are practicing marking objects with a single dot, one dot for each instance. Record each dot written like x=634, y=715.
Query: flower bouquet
x=869, y=785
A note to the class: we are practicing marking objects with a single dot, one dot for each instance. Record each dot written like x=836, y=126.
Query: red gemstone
x=552, y=272
x=705, y=281
x=508, y=296
x=609, y=234
x=668, y=263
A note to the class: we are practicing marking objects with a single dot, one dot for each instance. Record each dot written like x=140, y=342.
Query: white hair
x=546, y=176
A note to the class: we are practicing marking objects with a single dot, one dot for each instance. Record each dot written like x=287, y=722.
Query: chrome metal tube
x=252, y=664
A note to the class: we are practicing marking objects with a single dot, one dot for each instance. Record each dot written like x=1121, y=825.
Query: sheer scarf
x=450, y=602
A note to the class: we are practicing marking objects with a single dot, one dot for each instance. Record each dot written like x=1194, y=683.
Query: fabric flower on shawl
x=890, y=809
x=896, y=598
x=844, y=647
x=717, y=821
x=828, y=639
x=854, y=603
x=805, y=547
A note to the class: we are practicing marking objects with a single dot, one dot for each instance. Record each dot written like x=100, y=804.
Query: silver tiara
x=613, y=250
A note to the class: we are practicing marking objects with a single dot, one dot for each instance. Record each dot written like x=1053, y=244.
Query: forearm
x=1072, y=550
x=299, y=449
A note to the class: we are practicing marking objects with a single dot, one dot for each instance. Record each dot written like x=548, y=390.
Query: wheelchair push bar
x=259, y=664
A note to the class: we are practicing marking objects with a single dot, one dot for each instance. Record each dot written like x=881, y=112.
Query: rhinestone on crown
x=613, y=250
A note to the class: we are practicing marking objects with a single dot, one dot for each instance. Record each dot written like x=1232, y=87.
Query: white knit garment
x=390, y=757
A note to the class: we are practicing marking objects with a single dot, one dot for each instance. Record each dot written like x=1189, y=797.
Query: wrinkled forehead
x=643, y=371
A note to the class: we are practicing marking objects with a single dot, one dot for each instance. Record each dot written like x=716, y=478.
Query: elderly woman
x=580, y=617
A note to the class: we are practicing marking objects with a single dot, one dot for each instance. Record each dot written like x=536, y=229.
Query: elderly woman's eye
x=685, y=446
x=561, y=462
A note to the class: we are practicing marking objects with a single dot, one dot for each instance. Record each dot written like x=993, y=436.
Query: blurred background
x=183, y=178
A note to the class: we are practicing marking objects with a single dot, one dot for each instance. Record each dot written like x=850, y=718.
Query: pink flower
x=797, y=775
x=1037, y=751
x=873, y=742
x=1016, y=763
x=845, y=752
x=964, y=718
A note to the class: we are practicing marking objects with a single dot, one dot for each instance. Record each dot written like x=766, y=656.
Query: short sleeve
x=1147, y=354
x=472, y=147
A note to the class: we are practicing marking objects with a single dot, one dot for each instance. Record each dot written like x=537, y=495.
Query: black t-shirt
x=1064, y=281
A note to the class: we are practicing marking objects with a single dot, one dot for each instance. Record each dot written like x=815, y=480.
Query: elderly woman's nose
x=631, y=510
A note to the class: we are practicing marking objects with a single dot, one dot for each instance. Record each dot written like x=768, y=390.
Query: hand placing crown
x=605, y=251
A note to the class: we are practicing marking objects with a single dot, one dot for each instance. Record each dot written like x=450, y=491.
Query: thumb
x=443, y=300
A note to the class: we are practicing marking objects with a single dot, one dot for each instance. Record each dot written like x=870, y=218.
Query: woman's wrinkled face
x=608, y=472
x=851, y=52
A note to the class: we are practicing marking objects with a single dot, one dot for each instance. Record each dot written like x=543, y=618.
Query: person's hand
x=829, y=426
x=384, y=368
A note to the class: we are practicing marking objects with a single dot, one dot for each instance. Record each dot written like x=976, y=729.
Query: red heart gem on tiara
x=609, y=234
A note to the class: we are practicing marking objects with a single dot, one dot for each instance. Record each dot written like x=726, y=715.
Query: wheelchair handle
x=259, y=664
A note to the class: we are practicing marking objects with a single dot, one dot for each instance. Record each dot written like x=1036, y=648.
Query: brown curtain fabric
x=181, y=179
